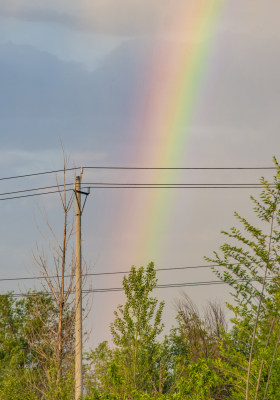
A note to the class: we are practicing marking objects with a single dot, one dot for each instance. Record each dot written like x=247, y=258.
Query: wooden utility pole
x=78, y=322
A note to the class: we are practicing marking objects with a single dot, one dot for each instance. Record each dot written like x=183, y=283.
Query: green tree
x=250, y=262
x=24, y=340
x=27, y=349
x=137, y=325
x=39, y=332
x=194, y=344
x=14, y=349
x=131, y=364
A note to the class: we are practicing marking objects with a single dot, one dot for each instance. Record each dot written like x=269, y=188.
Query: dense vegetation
x=200, y=358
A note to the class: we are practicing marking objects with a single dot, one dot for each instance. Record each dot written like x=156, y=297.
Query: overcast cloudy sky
x=84, y=73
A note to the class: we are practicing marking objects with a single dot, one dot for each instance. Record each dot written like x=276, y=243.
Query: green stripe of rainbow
x=172, y=105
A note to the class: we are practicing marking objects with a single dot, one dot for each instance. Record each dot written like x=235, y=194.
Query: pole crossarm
x=81, y=209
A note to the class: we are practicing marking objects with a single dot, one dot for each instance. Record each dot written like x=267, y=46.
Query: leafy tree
x=14, y=349
x=195, y=348
x=24, y=343
x=131, y=365
x=42, y=324
x=249, y=262
x=137, y=325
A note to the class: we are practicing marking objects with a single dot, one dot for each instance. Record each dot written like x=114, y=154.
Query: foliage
x=134, y=362
x=24, y=342
x=249, y=263
x=202, y=380
x=17, y=361
x=136, y=326
x=195, y=349
x=140, y=367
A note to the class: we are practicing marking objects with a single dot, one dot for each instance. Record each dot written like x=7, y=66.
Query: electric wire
x=133, y=169
x=108, y=273
x=38, y=173
x=125, y=186
x=33, y=195
x=121, y=289
x=164, y=186
x=173, y=184
x=37, y=188
x=182, y=168
x=94, y=185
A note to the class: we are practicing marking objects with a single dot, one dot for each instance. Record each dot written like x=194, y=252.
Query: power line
x=38, y=173
x=182, y=168
x=37, y=188
x=136, y=168
x=181, y=186
x=164, y=286
x=131, y=186
x=170, y=285
x=121, y=289
x=173, y=184
x=94, y=185
x=108, y=273
x=34, y=194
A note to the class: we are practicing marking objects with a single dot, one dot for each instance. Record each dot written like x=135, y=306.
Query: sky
x=162, y=83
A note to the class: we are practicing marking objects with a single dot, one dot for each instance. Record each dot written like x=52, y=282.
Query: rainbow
x=167, y=110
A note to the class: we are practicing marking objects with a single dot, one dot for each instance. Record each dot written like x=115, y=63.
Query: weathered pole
x=78, y=319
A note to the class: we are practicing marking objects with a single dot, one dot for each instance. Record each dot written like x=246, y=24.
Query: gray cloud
x=43, y=98
x=143, y=17
x=120, y=17
x=39, y=14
